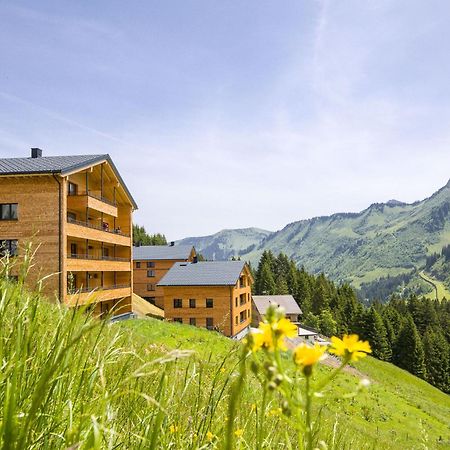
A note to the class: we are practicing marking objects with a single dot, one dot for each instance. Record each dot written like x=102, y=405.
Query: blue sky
x=230, y=114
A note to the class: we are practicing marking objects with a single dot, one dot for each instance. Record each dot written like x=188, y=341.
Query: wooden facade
x=80, y=224
x=148, y=272
x=224, y=308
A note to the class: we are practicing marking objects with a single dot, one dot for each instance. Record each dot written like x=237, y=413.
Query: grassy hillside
x=386, y=239
x=68, y=381
x=398, y=410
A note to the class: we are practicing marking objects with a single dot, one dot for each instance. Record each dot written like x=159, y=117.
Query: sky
x=234, y=114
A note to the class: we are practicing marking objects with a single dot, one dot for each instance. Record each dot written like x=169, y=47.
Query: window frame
x=193, y=321
x=151, y=287
x=151, y=274
x=192, y=303
x=177, y=303
x=209, y=303
x=6, y=247
x=138, y=264
x=211, y=326
x=10, y=211
x=150, y=264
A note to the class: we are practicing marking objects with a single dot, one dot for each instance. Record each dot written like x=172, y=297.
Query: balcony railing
x=83, y=290
x=97, y=258
x=96, y=227
x=97, y=197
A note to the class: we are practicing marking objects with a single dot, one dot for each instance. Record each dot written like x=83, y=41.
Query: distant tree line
x=413, y=333
x=431, y=259
x=141, y=237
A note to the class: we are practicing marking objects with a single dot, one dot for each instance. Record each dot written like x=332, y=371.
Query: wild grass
x=70, y=381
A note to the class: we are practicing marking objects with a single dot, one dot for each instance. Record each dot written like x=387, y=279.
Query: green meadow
x=72, y=382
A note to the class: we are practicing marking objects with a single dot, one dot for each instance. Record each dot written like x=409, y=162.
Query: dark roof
x=203, y=273
x=62, y=165
x=262, y=302
x=150, y=252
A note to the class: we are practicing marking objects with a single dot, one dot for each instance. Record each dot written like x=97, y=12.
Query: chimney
x=172, y=243
x=195, y=260
x=36, y=152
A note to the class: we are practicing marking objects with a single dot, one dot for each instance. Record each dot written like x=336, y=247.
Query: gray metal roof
x=262, y=302
x=203, y=273
x=154, y=252
x=47, y=164
x=57, y=165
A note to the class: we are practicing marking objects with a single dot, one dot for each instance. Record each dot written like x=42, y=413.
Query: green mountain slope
x=224, y=244
x=386, y=239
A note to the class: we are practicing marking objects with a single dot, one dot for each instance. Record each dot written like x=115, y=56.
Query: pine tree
x=408, y=353
x=327, y=324
x=266, y=284
x=375, y=333
x=437, y=357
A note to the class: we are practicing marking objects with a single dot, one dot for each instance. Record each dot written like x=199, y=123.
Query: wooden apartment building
x=211, y=294
x=78, y=210
x=151, y=263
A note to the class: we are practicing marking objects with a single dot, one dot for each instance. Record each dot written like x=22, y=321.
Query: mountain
x=227, y=243
x=385, y=243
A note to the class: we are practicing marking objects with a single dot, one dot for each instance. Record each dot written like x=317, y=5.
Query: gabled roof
x=203, y=273
x=155, y=252
x=262, y=302
x=62, y=165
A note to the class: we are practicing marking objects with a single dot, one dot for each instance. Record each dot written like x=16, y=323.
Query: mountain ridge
x=385, y=239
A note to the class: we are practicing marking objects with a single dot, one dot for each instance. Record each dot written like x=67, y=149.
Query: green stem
x=309, y=437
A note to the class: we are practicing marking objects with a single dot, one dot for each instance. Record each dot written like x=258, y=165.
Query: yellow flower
x=222, y=369
x=239, y=432
x=173, y=428
x=209, y=436
x=275, y=412
x=307, y=356
x=350, y=347
x=271, y=335
x=253, y=406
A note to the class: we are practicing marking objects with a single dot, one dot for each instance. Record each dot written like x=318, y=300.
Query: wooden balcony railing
x=96, y=196
x=83, y=290
x=96, y=227
x=97, y=258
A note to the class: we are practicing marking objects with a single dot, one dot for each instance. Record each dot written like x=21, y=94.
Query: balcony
x=92, y=201
x=87, y=295
x=91, y=263
x=79, y=229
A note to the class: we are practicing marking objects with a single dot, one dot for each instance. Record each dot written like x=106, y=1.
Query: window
x=150, y=273
x=236, y=320
x=9, y=246
x=71, y=283
x=151, y=300
x=192, y=321
x=209, y=323
x=73, y=250
x=192, y=303
x=242, y=281
x=236, y=302
x=150, y=264
x=105, y=252
x=138, y=265
x=178, y=319
x=72, y=189
x=177, y=303
x=209, y=303
x=71, y=216
x=150, y=287
x=242, y=316
x=8, y=211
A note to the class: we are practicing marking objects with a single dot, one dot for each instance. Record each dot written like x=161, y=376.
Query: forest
x=412, y=333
